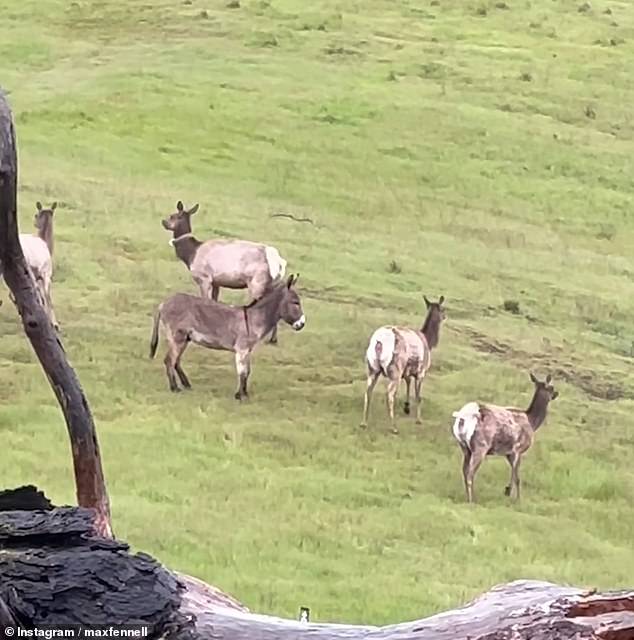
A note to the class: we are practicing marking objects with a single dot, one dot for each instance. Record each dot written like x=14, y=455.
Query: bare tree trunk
x=89, y=478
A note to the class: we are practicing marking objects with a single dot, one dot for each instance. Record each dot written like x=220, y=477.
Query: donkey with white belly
x=400, y=352
x=233, y=264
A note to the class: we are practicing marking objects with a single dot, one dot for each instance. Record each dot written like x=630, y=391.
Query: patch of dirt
x=596, y=386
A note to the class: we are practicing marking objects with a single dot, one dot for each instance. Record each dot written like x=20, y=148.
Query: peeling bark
x=89, y=478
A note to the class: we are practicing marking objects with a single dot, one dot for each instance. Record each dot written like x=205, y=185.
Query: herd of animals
x=394, y=352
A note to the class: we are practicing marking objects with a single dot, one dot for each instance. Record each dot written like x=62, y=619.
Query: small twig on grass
x=290, y=216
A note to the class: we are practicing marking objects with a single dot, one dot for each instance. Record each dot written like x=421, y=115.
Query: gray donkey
x=490, y=430
x=185, y=318
x=234, y=264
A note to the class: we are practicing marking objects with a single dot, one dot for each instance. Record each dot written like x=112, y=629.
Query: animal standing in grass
x=38, y=253
x=399, y=352
x=185, y=318
x=489, y=430
x=233, y=264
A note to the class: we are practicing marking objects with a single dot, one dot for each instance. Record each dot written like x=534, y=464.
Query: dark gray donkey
x=185, y=318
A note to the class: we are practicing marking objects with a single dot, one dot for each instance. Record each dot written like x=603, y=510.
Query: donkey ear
x=548, y=378
x=38, y=205
x=533, y=378
x=427, y=302
x=289, y=281
x=193, y=210
x=296, y=279
x=54, y=206
x=179, y=206
x=441, y=299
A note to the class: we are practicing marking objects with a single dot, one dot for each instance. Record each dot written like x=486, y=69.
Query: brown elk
x=233, y=264
x=185, y=318
x=490, y=430
x=401, y=353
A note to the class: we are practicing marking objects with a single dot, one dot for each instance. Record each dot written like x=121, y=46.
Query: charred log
x=54, y=570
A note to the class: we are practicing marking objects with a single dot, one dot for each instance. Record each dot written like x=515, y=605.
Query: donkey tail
x=155, y=331
x=277, y=264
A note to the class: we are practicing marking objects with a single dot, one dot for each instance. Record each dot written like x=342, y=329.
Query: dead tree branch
x=89, y=478
x=290, y=216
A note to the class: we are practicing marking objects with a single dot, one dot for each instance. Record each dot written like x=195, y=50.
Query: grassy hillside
x=486, y=148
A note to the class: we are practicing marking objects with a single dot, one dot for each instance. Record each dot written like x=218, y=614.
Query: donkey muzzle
x=298, y=325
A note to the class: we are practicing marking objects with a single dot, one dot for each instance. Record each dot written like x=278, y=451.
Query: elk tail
x=155, y=331
x=378, y=350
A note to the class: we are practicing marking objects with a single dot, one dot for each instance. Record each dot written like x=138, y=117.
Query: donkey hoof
x=406, y=408
x=237, y=395
x=418, y=421
x=507, y=491
x=395, y=431
x=363, y=425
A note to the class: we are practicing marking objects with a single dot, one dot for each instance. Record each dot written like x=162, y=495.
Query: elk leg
x=392, y=388
x=49, y=303
x=465, y=469
x=242, y=369
x=474, y=464
x=514, y=461
x=206, y=288
x=373, y=378
x=408, y=382
x=258, y=287
x=418, y=383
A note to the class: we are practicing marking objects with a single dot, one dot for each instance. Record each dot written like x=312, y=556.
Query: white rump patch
x=384, y=335
x=277, y=264
x=466, y=423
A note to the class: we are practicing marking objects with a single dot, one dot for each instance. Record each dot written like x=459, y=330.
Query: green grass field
x=486, y=148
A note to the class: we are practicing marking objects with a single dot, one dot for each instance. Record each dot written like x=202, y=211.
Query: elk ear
x=548, y=378
x=533, y=378
x=38, y=205
x=179, y=206
x=427, y=302
x=193, y=210
x=441, y=299
x=555, y=395
x=54, y=206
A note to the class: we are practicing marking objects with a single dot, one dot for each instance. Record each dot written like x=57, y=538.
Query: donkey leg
x=171, y=357
x=242, y=369
x=373, y=378
x=408, y=383
x=273, y=338
x=179, y=370
x=475, y=461
x=392, y=388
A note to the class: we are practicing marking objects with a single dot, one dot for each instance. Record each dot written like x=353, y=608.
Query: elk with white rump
x=38, y=253
x=490, y=430
x=400, y=352
x=185, y=318
x=233, y=264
